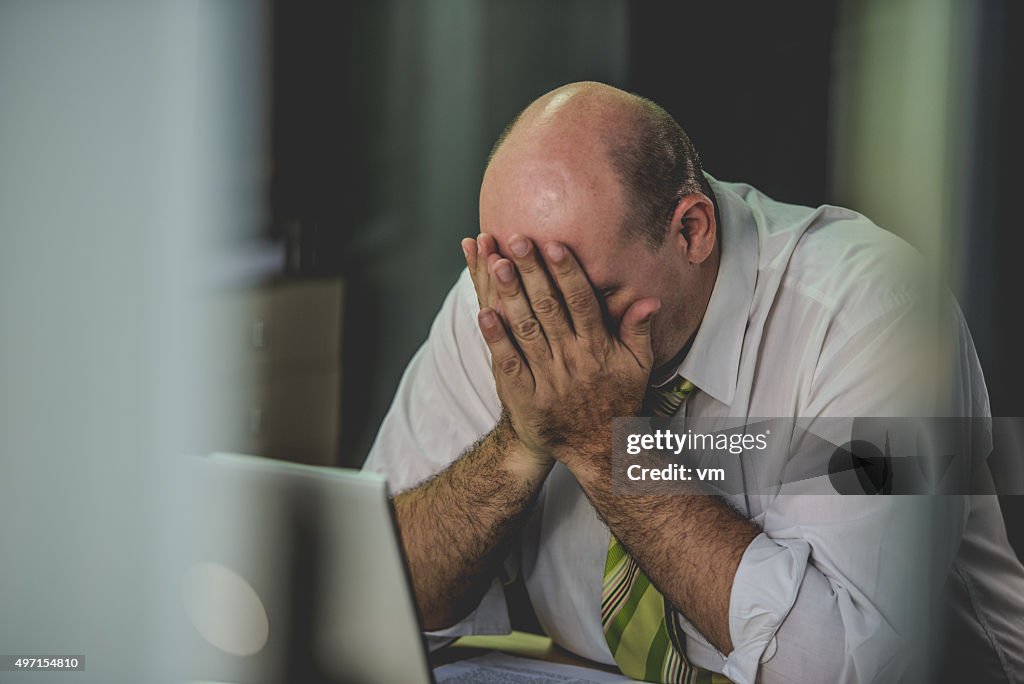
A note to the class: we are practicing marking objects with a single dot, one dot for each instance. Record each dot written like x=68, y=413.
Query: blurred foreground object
x=130, y=133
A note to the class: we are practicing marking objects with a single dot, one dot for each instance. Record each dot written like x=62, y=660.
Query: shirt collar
x=713, y=361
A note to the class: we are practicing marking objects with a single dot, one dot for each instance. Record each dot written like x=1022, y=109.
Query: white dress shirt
x=814, y=314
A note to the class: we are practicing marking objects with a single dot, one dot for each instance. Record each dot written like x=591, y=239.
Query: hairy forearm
x=688, y=545
x=455, y=527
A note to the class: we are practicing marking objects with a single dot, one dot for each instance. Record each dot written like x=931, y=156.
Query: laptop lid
x=297, y=574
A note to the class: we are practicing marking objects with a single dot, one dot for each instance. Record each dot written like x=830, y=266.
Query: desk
x=521, y=644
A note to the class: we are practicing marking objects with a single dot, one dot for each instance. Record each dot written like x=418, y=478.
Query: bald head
x=585, y=111
x=613, y=177
x=588, y=140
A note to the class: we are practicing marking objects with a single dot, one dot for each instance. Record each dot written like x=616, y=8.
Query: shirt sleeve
x=837, y=588
x=445, y=402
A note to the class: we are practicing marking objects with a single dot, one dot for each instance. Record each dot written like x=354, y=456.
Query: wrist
x=523, y=462
x=585, y=462
x=586, y=455
x=526, y=464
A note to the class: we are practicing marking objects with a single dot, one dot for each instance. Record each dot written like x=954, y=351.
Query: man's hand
x=560, y=373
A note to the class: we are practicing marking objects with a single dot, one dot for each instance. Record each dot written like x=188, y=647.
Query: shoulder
x=460, y=304
x=854, y=267
x=454, y=332
x=835, y=257
x=445, y=399
x=455, y=343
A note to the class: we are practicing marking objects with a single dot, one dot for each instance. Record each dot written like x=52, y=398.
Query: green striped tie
x=642, y=634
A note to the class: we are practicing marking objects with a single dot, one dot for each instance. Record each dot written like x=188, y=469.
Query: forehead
x=546, y=201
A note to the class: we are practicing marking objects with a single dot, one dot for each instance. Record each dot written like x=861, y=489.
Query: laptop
x=296, y=574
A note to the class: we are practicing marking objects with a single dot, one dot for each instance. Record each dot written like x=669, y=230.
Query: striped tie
x=638, y=624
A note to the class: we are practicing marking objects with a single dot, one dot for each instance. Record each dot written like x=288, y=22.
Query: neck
x=665, y=371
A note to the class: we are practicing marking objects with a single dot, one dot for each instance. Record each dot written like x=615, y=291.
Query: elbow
x=436, y=620
x=787, y=660
x=827, y=638
x=438, y=611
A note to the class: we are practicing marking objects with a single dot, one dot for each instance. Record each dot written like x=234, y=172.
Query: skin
x=579, y=319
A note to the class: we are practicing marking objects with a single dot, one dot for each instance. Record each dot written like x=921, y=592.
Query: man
x=610, y=270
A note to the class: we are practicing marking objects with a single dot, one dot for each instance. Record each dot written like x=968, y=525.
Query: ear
x=694, y=228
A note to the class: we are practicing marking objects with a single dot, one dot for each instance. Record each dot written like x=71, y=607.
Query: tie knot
x=664, y=401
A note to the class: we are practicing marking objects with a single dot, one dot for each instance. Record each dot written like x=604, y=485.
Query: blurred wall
x=901, y=122
x=924, y=142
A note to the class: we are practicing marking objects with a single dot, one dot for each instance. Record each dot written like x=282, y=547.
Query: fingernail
x=504, y=272
x=519, y=246
x=465, y=246
x=488, y=318
x=555, y=251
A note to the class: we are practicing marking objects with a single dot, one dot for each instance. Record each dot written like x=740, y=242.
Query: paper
x=498, y=668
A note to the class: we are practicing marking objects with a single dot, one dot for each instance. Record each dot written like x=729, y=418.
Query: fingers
x=635, y=330
x=540, y=291
x=577, y=291
x=529, y=301
x=472, y=253
x=469, y=251
x=522, y=322
x=505, y=358
x=479, y=254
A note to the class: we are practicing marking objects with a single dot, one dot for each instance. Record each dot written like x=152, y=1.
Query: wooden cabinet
x=276, y=384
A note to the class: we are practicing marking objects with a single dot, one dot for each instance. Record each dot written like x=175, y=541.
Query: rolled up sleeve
x=767, y=582
x=836, y=589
